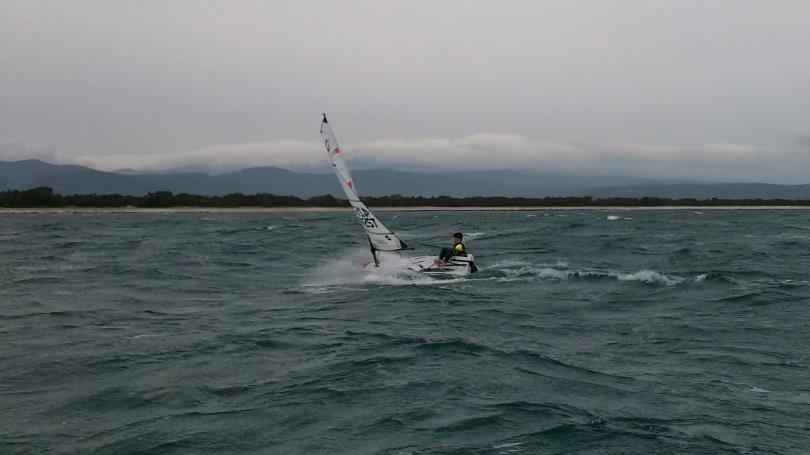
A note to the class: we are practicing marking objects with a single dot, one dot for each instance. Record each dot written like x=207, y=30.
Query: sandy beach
x=85, y=210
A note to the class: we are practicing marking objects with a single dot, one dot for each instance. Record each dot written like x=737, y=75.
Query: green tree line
x=45, y=197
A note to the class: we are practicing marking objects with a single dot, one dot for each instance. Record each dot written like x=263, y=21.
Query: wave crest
x=560, y=271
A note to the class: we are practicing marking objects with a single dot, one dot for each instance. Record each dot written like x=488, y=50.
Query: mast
x=373, y=253
x=380, y=238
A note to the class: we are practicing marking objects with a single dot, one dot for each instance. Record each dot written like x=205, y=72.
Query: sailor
x=458, y=249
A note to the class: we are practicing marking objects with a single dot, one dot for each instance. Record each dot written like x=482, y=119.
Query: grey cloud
x=486, y=151
x=162, y=83
x=21, y=148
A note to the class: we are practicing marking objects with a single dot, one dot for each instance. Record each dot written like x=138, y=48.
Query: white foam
x=513, y=268
x=145, y=335
x=355, y=267
x=548, y=272
x=473, y=235
x=649, y=276
x=643, y=276
x=615, y=218
x=556, y=273
x=516, y=270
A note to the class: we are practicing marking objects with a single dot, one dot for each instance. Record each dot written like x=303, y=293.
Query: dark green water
x=585, y=332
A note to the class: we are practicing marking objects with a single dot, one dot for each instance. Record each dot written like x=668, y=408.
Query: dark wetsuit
x=458, y=250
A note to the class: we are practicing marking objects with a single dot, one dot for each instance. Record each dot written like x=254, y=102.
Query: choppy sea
x=595, y=332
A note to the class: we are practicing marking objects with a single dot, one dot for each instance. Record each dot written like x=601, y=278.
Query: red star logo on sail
x=337, y=150
x=350, y=184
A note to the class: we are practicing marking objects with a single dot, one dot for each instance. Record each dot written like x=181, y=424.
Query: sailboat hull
x=456, y=266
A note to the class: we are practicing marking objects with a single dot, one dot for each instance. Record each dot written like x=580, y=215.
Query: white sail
x=379, y=236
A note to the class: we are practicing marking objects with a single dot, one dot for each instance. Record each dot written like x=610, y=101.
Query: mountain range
x=74, y=179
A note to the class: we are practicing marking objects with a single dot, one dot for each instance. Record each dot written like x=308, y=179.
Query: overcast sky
x=703, y=89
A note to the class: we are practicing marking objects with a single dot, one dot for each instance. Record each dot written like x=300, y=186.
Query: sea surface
x=598, y=332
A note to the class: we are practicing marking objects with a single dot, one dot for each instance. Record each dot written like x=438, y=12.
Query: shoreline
x=135, y=210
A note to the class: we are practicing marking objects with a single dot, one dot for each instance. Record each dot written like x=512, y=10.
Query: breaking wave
x=355, y=267
x=561, y=271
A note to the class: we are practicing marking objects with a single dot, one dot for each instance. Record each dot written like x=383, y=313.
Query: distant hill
x=72, y=179
x=378, y=182
x=19, y=174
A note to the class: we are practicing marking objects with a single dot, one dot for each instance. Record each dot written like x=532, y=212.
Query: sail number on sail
x=365, y=217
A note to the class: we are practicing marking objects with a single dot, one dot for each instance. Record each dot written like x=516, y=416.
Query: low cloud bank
x=719, y=161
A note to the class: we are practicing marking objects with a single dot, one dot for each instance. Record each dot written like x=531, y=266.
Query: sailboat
x=380, y=238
